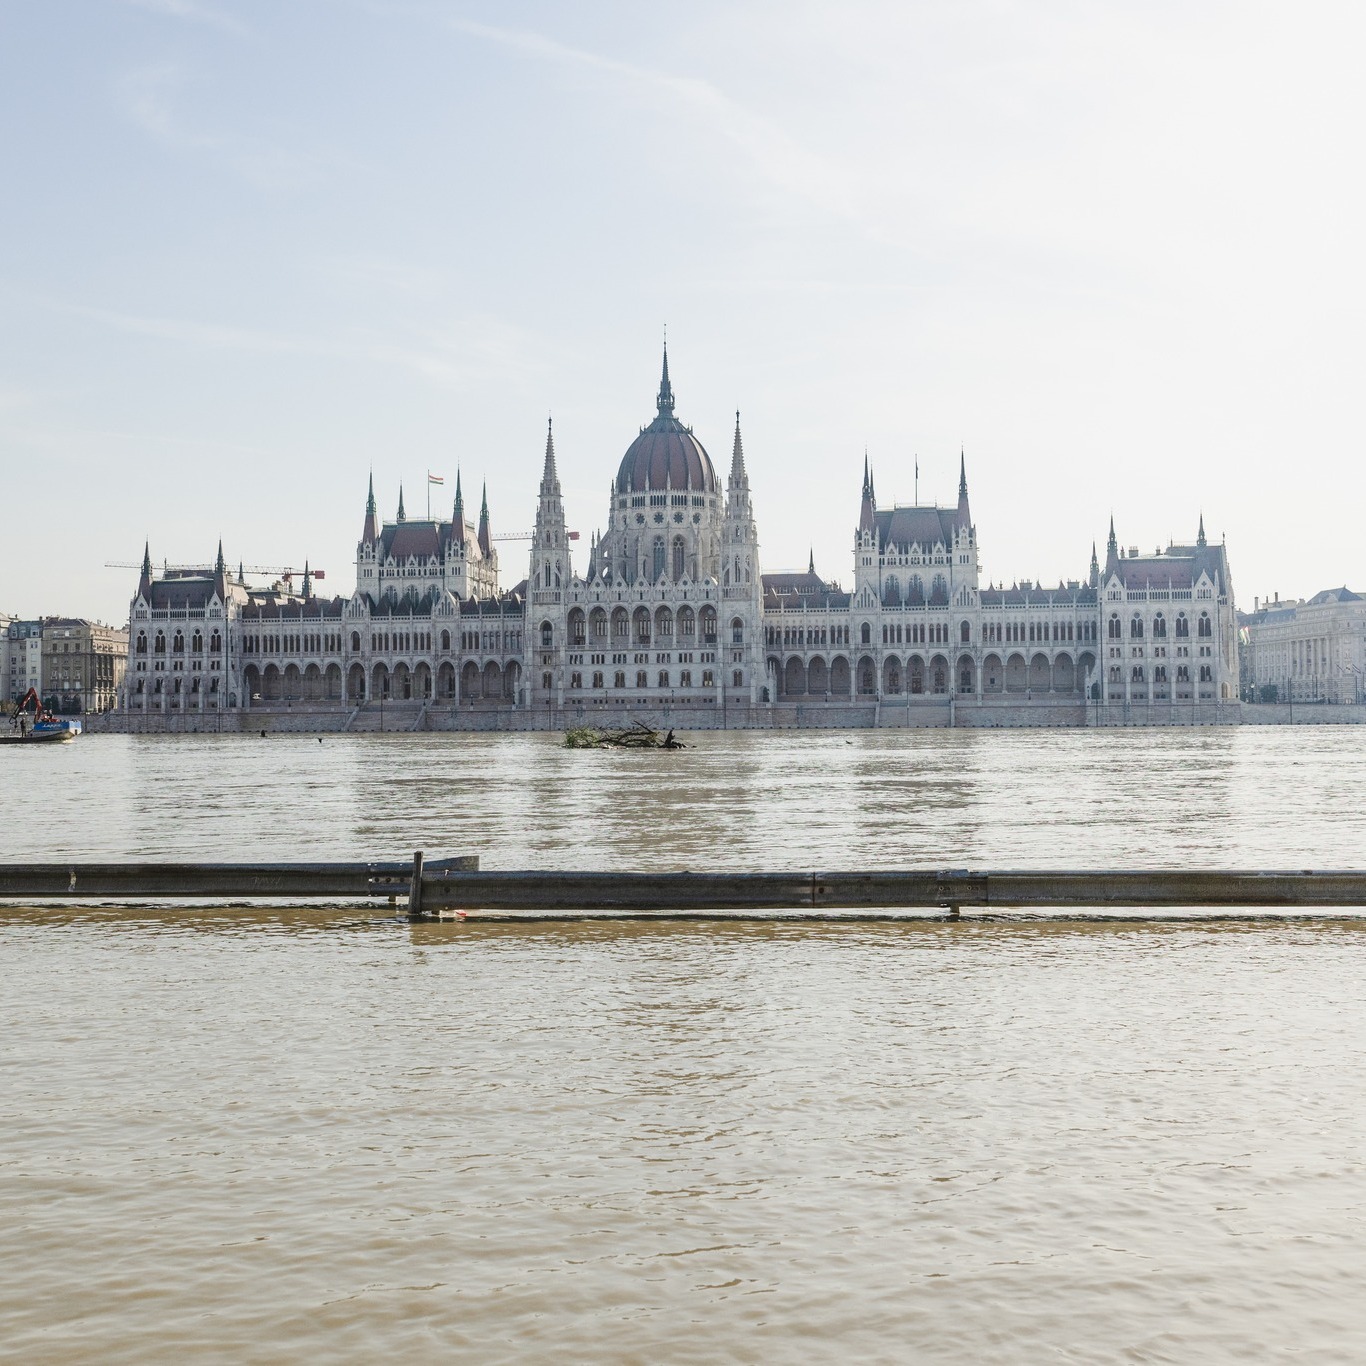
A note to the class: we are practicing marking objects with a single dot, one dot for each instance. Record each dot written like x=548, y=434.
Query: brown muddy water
x=321, y=1135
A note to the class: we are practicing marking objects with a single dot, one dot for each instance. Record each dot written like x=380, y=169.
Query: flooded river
x=319, y=1135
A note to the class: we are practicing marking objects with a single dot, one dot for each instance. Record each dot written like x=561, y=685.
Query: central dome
x=666, y=454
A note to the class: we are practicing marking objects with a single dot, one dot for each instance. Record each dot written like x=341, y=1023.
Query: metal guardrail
x=276, y=881
x=458, y=884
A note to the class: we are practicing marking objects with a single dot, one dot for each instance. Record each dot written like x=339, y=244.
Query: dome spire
x=666, y=391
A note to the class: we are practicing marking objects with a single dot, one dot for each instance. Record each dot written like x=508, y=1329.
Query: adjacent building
x=83, y=664
x=670, y=607
x=1306, y=651
x=24, y=659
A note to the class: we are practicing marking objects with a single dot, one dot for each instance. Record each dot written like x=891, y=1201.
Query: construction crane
x=524, y=536
x=281, y=571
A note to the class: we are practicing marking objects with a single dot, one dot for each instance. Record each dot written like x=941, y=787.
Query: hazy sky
x=251, y=251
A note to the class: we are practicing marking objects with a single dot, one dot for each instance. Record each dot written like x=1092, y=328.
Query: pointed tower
x=402, y=516
x=964, y=515
x=370, y=529
x=241, y=575
x=550, y=570
x=811, y=561
x=307, y=584
x=1094, y=577
x=368, y=548
x=867, y=523
x=220, y=574
x=1111, y=550
x=145, y=580
x=742, y=588
x=1200, y=537
x=485, y=538
x=666, y=391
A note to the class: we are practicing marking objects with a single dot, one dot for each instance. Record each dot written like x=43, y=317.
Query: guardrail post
x=415, y=888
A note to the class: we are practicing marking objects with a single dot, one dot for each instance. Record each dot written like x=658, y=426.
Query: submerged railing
x=457, y=884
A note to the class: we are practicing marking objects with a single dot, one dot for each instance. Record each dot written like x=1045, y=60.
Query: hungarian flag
x=434, y=478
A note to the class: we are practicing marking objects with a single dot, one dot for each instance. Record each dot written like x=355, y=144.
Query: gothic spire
x=962, y=474
x=1095, y=568
x=458, y=514
x=370, y=531
x=1200, y=538
x=666, y=392
x=737, y=455
x=218, y=566
x=308, y=582
x=145, y=581
x=485, y=539
x=865, y=517
x=550, y=479
x=811, y=561
x=402, y=516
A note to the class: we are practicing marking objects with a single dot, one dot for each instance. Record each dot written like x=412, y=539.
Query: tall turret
x=867, y=523
x=485, y=536
x=402, y=516
x=1111, y=550
x=1094, y=577
x=370, y=530
x=964, y=515
x=145, y=580
x=550, y=568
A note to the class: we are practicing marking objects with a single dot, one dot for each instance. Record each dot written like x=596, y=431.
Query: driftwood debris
x=636, y=736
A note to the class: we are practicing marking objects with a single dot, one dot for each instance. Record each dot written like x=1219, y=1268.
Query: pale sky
x=250, y=252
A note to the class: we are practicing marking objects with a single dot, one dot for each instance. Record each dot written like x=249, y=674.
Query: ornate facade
x=671, y=609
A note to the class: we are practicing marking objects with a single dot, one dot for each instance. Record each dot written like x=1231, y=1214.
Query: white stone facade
x=672, y=609
x=1308, y=651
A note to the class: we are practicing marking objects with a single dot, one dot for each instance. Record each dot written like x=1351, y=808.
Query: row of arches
x=622, y=626
x=1204, y=627
x=178, y=643
x=492, y=682
x=292, y=684
x=936, y=674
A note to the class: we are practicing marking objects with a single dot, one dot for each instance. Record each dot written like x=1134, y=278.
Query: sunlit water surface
x=320, y=1135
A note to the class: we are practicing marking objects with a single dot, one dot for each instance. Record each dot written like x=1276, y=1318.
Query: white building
x=671, y=608
x=1312, y=651
x=23, y=662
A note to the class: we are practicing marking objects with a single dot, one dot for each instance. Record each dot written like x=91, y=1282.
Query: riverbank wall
x=996, y=713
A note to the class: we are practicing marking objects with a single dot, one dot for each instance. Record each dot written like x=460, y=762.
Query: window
x=737, y=632
x=619, y=679
x=1136, y=627
x=1115, y=630
x=547, y=635
x=737, y=679
x=1183, y=627
x=866, y=633
x=965, y=634
x=547, y=682
x=708, y=681
x=1159, y=627
x=1206, y=626
x=685, y=679
x=659, y=559
x=576, y=680
x=664, y=678
x=597, y=680
x=678, y=557
x=642, y=679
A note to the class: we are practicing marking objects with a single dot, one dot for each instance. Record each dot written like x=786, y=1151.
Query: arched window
x=1159, y=627
x=547, y=636
x=866, y=634
x=678, y=558
x=197, y=643
x=142, y=643
x=1183, y=627
x=1206, y=626
x=547, y=682
x=216, y=643
x=737, y=632
x=355, y=642
x=659, y=559
x=965, y=635
x=160, y=646
x=178, y=644
x=445, y=640
x=1116, y=631
x=1136, y=627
